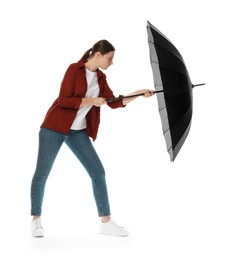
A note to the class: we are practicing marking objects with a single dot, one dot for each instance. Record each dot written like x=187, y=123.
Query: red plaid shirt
x=61, y=114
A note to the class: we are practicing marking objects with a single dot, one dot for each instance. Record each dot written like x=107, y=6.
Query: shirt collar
x=82, y=66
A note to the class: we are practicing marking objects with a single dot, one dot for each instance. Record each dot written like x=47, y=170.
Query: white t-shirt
x=92, y=92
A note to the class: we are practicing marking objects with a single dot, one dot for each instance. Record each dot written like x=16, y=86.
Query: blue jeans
x=80, y=144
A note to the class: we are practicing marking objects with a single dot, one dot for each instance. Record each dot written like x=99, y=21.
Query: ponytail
x=102, y=46
x=87, y=54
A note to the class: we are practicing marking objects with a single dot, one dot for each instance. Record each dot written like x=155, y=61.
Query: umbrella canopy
x=172, y=78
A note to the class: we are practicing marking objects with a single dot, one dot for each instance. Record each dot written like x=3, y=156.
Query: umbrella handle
x=108, y=100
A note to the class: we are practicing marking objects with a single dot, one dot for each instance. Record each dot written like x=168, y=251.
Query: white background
x=173, y=210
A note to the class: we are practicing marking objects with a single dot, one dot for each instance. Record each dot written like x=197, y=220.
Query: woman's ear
x=98, y=54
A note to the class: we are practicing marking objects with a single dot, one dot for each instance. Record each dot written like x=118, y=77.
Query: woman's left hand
x=147, y=92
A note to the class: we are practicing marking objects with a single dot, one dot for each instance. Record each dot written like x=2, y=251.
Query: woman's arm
x=147, y=93
x=102, y=101
x=66, y=98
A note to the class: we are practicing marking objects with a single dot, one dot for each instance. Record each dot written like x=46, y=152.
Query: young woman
x=73, y=118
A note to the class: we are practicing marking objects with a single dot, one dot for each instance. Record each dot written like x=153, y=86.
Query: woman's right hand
x=99, y=101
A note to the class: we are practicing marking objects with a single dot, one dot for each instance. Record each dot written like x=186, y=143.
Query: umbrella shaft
x=142, y=94
x=131, y=96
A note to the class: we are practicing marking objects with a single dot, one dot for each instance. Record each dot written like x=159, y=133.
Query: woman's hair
x=102, y=46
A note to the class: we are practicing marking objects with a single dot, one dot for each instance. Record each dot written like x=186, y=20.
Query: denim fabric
x=80, y=144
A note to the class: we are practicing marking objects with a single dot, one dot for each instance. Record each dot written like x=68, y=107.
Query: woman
x=73, y=118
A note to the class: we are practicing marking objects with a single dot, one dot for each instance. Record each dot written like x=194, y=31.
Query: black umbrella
x=173, y=87
x=175, y=102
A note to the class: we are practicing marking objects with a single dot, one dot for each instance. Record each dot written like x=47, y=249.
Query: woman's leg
x=49, y=146
x=81, y=146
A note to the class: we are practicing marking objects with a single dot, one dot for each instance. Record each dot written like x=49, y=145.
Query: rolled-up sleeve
x=66, y=98
x=108, y=93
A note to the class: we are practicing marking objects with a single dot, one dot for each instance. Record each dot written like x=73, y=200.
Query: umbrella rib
x=176, y=95
x=169, y=69
x=169, y=149
x=166, y=130
x=178, y=55
x=149, y=26
x=162, y=108
x=168, y=97
x=150, y=41
x=154, y=62
x=178, y=72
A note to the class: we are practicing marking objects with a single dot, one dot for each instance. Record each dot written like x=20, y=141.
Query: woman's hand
x=99, y=101
x=147, y=92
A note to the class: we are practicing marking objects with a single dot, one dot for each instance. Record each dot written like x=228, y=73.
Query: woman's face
x=105, y=60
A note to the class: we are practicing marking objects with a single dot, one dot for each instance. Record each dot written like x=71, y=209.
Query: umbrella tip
x=198, y=85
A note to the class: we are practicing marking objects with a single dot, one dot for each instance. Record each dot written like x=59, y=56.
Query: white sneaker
x=111, y=228
x=36, y=228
